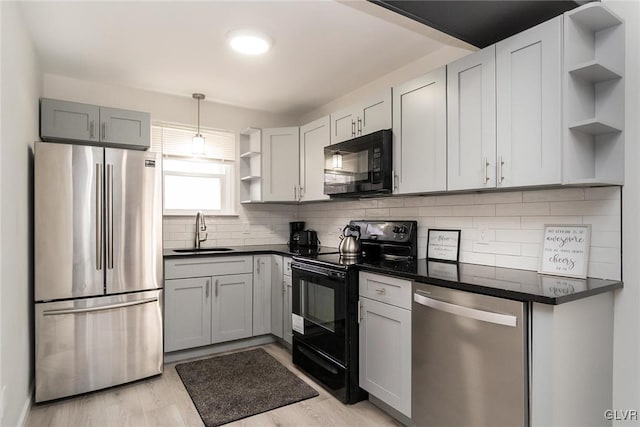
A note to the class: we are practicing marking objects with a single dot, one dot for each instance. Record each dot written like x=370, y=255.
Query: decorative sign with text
x=565, y=250
x=443, y=245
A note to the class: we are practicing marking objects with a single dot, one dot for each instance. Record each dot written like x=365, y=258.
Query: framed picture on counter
x=565, y=250
x=443, y=245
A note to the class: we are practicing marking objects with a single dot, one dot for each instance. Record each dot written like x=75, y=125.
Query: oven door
x=319, y=309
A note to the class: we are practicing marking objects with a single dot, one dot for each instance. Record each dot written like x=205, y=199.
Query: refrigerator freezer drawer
x=89, y=344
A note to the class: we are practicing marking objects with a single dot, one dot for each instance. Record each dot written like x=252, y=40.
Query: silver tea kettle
x=350, y=244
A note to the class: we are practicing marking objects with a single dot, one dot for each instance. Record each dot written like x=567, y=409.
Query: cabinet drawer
x=199, y=266
x=386, y=289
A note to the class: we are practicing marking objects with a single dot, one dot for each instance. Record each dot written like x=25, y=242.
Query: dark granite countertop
x=520, y=285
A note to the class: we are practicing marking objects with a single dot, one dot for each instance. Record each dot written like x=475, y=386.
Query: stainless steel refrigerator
x=98, y=268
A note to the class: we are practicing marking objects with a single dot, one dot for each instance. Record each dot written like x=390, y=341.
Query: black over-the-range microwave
x=360, y=166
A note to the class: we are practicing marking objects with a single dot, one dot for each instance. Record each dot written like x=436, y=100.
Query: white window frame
x=228, y=185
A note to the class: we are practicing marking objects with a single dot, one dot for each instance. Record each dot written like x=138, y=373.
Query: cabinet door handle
x=91, y=129
x=216, y=288
x=500, y=170
x=381, y=291
x=258, y=266
x=486, y=170
x=359, y=126
x=207, y=289
x=104, y=130
x=395, y=180
x=284, y=287
x=353, y=128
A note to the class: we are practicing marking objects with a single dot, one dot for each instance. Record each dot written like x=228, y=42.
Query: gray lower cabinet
x=385, y=340
x=74, y=121
x=277, y=296
x=231, y=311
x=208, y=300
x=187, y=313
x=262, y=294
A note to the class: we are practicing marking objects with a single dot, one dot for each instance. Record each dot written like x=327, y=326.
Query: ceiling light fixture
x=249, y=42
x=197, y=142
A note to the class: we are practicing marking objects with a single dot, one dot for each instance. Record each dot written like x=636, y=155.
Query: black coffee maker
x=295, y=230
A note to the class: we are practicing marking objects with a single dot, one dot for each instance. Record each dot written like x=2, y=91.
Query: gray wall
x=19, y=93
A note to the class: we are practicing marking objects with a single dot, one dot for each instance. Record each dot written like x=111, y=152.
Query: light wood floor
x=163, y=401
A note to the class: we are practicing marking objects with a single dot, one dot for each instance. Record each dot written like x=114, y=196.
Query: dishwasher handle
x=472, y=313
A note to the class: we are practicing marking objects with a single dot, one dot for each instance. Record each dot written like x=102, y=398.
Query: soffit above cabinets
x=480, y=23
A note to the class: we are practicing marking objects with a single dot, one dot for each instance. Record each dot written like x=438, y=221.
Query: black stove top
x=311, y=251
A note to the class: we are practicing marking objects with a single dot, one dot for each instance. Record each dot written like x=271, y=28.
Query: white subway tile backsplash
x=435, y=211
x=524, y=236
x=474, y=210
x=499, y=197
x=519, y=209
x=403, y=212
x=538, y=222
x=605, y=239
x=454, y=222
x=419, y=201
x=602, y=193
x=498, y=248
x=391, y=202
x=553, y=195
x=587, y=207
x=509, y=222
x=377, y=212
x=456, y=199
x=498, y=229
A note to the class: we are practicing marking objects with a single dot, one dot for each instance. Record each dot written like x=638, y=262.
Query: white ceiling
x=322, y=48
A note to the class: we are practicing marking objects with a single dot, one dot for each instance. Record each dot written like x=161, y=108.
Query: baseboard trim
x=391, y=411
x=180, y=355
x=24, y=415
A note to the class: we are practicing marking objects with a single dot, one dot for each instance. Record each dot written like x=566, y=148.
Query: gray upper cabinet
x=369, y=116
x=69, y=120
x=280, y=164
x=471, y=121
x=420, y=134
x=131, y=128
x=72, y=121
x=529, y=99
x=314, y=137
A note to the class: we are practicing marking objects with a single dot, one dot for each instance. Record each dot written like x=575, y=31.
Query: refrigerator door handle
x=472, y=313
x=99, y=214
x=110, y=217
x=100, y=308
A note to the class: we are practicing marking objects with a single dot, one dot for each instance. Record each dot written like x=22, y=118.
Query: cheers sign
x=565, y=250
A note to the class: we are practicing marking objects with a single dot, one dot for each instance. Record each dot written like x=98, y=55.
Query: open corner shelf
x=594, y=17
x=594, y=72
x=595, y=127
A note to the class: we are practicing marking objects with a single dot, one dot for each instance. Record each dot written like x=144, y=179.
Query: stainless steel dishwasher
x=469, y=359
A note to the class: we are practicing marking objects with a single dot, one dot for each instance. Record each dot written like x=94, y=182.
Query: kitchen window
x=196, y=182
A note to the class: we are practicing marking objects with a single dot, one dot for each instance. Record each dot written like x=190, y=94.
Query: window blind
x=175, y=140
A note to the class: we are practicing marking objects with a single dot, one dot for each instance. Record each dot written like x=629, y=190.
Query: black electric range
x=325, y=303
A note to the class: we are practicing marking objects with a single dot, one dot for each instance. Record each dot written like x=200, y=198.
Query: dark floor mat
x=238, y=385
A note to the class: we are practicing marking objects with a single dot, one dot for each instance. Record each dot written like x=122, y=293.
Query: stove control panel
x=387, y=231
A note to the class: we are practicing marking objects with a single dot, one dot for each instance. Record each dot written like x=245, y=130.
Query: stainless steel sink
x=202, y=250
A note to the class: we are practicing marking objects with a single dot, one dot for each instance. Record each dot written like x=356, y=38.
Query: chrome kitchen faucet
x=201, y=226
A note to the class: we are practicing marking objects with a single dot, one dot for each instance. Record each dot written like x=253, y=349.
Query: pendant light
x=197, y=142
